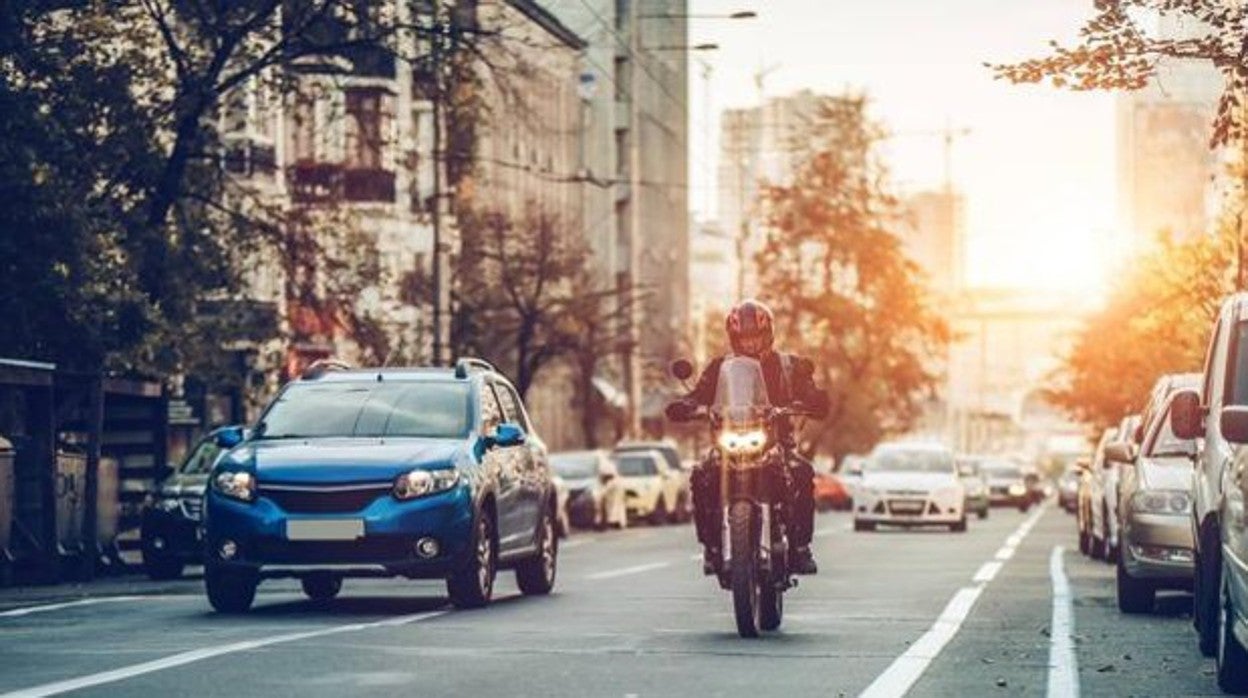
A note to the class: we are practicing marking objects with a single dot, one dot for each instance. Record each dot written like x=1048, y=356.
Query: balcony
x=369, y=185
x=314, y=183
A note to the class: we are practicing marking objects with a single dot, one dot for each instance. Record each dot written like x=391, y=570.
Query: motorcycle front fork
x=771, y=546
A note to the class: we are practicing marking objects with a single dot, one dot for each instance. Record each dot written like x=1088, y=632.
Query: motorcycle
x=750, y=457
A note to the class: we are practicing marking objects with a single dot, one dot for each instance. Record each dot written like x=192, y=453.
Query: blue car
x=420, y=473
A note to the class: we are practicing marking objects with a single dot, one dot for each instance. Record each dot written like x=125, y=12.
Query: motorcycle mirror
x=681, y=369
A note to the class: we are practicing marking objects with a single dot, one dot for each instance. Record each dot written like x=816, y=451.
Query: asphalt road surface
x=999, y=610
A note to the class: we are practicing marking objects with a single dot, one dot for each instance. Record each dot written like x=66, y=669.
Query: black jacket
x=799, y=388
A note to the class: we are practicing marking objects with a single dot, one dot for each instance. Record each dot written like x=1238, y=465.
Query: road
x=931, y=613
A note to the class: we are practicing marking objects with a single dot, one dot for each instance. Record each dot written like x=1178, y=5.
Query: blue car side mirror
x=508, y=434
x=229, y=437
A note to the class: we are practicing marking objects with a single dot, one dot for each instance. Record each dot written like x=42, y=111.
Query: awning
x=612, y=395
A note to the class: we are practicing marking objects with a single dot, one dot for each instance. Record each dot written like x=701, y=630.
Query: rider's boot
x=801, y=561
x=711, y=560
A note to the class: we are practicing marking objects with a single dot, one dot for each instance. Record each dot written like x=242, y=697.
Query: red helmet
x=749, y=327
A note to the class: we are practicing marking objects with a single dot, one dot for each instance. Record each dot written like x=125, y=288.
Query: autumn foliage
x=1157, y=321
x=844, y=291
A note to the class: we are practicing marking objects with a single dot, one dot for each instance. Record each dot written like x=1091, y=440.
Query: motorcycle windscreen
x=741, y=393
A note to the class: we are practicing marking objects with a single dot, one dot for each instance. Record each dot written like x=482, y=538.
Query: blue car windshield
x=427, y=409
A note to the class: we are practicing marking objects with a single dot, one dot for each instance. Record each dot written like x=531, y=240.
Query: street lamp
x=742, y=14
x=683, y=47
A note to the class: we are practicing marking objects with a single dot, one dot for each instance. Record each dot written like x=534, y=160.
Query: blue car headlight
x=420, y=483
x=235, y=485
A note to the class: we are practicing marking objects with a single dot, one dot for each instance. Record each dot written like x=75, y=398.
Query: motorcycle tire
x=746, y=601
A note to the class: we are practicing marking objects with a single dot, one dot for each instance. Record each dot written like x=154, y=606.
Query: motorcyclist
x=790, y=383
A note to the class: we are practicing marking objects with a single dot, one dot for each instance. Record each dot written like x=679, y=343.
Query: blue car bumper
x=391, y=527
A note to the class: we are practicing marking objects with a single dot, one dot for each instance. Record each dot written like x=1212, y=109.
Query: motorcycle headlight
x=1173, y=502
x=420, y=483
x=235, y=485
x=1017, y=490
x=743, y=442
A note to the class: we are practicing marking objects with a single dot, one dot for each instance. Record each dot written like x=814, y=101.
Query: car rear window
x=636, y=466
x=575, y=465
x=903, y=460
x=429, y=409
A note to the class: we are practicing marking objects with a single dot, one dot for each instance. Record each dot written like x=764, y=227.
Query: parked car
x=1068, y=485
x=563, y=527
x=420, y=473
x=830, y=491
x=682, y=510
x=1007, y=486
x=1218, y=417
x=1103, y=491
x=1155, y=515
x=169, y=530
x=910, y=484
x=1083, y=519
x=595, y=493
x=976, y=486
x=651, y=490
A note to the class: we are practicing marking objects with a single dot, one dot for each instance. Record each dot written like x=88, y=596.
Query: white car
x=651, y=489
x=595, y=493
x=910, y=484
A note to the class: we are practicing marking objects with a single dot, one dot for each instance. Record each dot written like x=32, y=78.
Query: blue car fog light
x=428, y=547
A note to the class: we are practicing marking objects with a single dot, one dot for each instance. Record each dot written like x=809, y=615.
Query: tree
x=1156, y=322
x=844, y=292
x=525, y=294
x=1118, y=50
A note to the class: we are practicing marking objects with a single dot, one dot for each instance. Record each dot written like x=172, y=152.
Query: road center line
x=16, y=612
x=987, y=572
x=199, y=655
x=1063, y=665
x=623, y=572
x=906, y=669
x=1006, y=552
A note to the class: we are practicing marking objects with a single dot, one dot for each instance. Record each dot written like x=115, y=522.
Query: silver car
x=1155, y=527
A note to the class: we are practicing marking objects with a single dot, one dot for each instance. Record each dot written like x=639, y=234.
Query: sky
x=1038, y=166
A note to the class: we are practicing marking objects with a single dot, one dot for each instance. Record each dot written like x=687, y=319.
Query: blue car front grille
x=316, y=499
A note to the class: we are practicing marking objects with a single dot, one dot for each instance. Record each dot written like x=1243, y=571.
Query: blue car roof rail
x=320, y=367
x=467, y=363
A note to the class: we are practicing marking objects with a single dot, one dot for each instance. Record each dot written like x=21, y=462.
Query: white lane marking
x=1005, y=553
x=13, y=613
x=183, y=658
x=696, y=556
x=624, y=572
x=987, y=572
x=1063, y=664
x=827, y=531
x=573, y=544
x=906, y=669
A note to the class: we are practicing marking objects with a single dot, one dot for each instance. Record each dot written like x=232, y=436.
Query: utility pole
x=441, y=285
x=632, y=343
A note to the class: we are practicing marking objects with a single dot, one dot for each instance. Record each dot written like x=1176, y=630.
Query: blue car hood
x=326, y=461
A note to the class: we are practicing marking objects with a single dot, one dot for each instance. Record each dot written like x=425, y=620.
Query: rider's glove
x=681, y=410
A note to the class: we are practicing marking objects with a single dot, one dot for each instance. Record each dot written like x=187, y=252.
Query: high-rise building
x=758, y=145
x=934, y=233
x=1168, y=177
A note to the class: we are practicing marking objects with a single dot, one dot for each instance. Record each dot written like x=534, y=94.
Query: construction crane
x=949, y=134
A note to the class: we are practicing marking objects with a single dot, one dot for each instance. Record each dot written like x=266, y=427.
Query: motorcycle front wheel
x=746, y=603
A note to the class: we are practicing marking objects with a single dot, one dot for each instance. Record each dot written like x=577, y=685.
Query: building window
x=304, y=128
x=621, y=78
x=369, y=120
